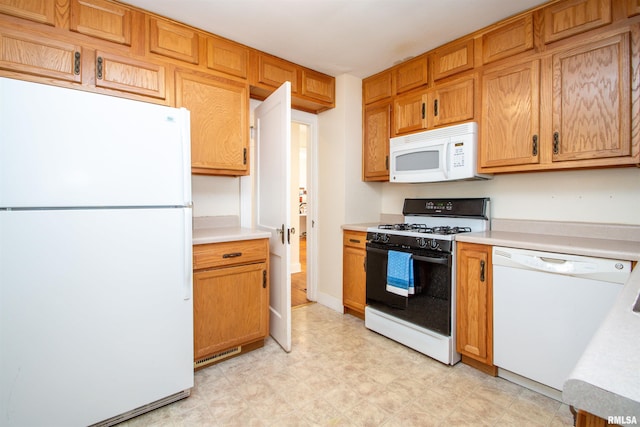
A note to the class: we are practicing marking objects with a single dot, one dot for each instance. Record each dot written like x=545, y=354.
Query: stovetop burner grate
x=423, y=228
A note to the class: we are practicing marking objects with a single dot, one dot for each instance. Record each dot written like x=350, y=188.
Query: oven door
x=430, y=306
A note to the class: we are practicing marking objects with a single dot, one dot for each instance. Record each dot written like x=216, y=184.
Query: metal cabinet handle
x=556, y=143
x=535, y=145
x=435, y=107
x=76, y=63
x=482, y=271
x=232, y=255
x=423, y=110
x=99, y=67
x=354, y=240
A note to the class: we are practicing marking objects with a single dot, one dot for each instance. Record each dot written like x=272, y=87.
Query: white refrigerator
x=96, y=316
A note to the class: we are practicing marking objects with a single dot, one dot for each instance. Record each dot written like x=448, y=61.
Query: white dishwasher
x=546, y=308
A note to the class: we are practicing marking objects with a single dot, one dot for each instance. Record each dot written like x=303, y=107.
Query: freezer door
x=62, y=147
x=96, y=314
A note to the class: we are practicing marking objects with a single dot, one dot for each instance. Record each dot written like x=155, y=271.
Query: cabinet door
x=409, y=113
x=474, y=326
x=173, y=40
x=274, y=72
x=567, y=18
x=451, y=103
x=318, y=86
x=633, y=7
x=375, y=150
x=230, y=308
x=40, y=56
x=129, y=75
x=510, y=116
x=377, y=87
x=507, y=40
x=227, y=57
x=219, y=123
x=353, y=278
x=411, y=74
x=453, y=58
x=42, y=11
x=102, y=19
x=591, y=104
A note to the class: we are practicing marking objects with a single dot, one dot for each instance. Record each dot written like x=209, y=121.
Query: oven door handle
x=432, y=260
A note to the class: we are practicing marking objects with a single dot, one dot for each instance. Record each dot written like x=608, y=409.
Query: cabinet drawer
x=507, y=40
x=229, y=253
x=356, y=239
x=565, y=19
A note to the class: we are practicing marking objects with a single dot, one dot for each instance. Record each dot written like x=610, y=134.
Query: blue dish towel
x=400, y=273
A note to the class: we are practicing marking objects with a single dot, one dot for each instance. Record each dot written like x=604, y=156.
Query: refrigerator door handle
x=186, y=154
x=188, y=257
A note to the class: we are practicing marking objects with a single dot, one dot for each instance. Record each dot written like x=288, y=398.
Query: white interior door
x=273, y=170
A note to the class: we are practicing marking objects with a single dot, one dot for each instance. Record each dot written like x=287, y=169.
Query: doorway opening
x=303, y=189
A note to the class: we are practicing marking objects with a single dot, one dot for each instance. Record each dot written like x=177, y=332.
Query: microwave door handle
x=445, y=167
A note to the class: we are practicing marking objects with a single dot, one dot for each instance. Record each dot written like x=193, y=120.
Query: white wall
x=215, y=195
x=343, y=197
x=601, y=196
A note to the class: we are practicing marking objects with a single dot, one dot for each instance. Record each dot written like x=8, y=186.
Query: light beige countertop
x=217, y=229
x=360, y=227
x=606, y=380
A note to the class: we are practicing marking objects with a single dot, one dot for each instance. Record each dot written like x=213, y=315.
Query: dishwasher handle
x=571, y=265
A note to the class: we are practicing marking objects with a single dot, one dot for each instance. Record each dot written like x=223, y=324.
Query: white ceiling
x=357, y=37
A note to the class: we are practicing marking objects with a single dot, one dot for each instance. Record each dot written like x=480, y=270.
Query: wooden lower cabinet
x=230, y=299
x=474, y=305
x=353, y=272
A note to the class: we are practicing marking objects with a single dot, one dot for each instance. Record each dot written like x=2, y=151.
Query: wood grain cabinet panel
x=42, y=11
x=227, y=57
x=474, y=302
x=377, y=87
x=633, y=7
x=572, y=17
x=230, y=308
x=225, y=254
x=129, y=75
x=410, y=113
x=173, y=40
x=451, y=103
x=411, y=74
x=375, y=150
x=510, y=124
x=102, y=19
x=219, y=123
x=318, y=86
x=508, y=40
x=453, y=58
x=40, y=56
x=591, y=101
x=354, y=273
x=274, y=72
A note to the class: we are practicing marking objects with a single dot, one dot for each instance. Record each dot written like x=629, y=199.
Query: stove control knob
x=434, y=244
x=384, y=238
x=422, y=242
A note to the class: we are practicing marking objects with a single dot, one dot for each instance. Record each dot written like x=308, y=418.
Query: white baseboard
x=329, y=301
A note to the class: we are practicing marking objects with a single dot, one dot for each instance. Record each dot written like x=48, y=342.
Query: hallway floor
x=341, y=374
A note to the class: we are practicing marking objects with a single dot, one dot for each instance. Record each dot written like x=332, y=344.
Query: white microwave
x=445, y=154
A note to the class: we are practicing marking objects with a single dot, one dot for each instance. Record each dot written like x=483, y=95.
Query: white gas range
x=425, y=319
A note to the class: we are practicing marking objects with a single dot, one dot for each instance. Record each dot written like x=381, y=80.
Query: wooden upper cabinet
x=633, y=7
x=453, y=58
x=572, y=17
x=318, y=86
x=375, y=148
x=129, y=75
x=510, y=124
x=227, y=57
x=274, y=72
x=591, y=100
x=409, y=113
x=411, y=74
x=508, y=39
x=173, y=40
x=451, y=103
x=102, y=19
x=377, y=87
x=42, y=11
x=40, y=56
x=219, y=123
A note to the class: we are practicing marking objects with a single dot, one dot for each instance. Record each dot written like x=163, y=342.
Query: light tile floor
x=341, y=374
